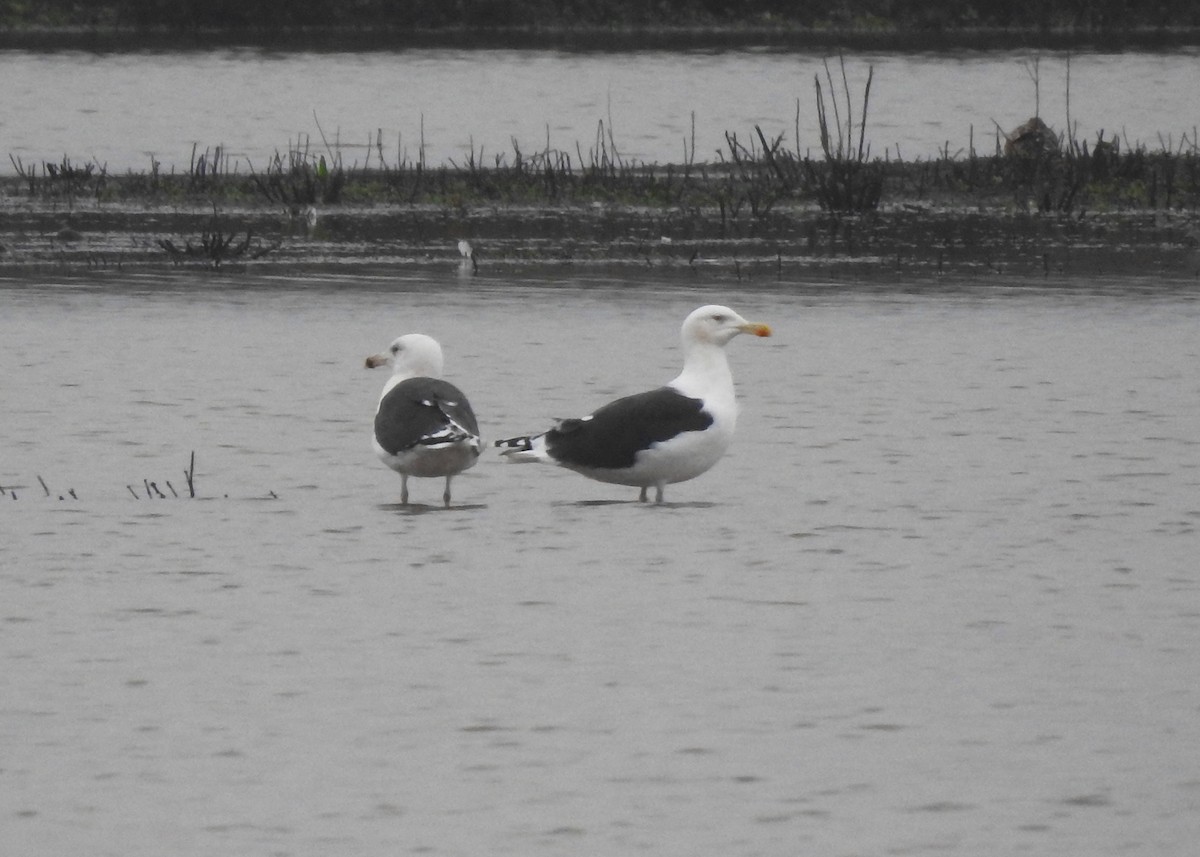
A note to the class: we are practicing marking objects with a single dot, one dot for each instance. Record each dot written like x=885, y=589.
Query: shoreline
x=960, y=218
x=1044, y=203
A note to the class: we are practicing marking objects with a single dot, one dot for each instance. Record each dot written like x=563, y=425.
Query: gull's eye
x=396, y=349
x=720, y=318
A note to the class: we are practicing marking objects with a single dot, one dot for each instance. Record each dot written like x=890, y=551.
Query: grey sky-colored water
x=941, y=595
x=124, y=109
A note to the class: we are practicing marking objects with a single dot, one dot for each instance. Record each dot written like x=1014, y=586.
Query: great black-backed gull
x=662, y=436
x=424, y=426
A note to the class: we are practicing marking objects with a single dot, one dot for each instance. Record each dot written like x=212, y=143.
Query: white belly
x=445, y=460
x=683, y=457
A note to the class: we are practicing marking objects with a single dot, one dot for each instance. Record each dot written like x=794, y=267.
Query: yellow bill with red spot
x=756, y=329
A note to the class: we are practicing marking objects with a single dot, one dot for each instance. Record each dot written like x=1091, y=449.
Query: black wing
x=423, y=410
x=612, y=436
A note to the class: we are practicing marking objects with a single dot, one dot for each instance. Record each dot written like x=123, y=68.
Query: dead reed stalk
x=847, y=182
x=190, y=475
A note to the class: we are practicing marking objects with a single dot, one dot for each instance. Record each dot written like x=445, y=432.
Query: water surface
x=941, y=596
x=124, y=110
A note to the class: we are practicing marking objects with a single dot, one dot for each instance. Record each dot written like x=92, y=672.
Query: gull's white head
x=717, y=325
x=413, y=355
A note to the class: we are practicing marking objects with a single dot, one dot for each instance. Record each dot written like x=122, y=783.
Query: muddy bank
x=960, y=219
x=906, y=240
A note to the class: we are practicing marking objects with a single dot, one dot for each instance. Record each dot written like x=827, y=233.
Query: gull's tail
x=524, y=448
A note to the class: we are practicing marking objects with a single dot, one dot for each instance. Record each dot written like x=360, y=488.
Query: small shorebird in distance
x=468, y=264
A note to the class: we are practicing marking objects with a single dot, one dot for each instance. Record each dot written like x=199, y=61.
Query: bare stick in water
x=44, y=488
x=189, y=473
